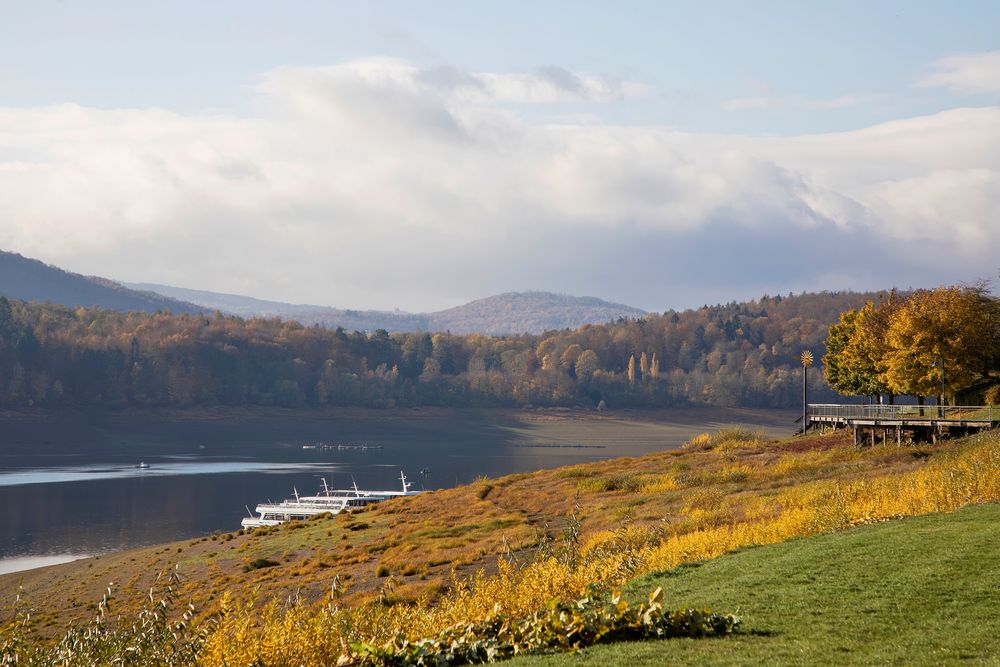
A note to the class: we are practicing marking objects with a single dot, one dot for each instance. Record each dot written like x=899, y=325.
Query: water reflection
x=87, y=473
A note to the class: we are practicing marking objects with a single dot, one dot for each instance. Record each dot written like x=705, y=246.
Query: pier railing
x=985, y=413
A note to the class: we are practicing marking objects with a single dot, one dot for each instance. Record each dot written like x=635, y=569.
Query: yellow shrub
x=700, y=441
x=659, y=484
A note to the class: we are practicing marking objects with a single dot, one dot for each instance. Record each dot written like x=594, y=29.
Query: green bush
x=259, y=564
x=631, y=483
x=558, y=628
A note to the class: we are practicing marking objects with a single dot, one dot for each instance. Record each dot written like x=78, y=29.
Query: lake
x=70, y=486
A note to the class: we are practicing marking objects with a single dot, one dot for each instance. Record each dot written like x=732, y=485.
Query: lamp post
x=807, y=360
x=939, y=363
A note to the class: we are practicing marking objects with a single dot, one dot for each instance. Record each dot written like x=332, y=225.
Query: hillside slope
x=247, y=306
x=31, y=280
x=501, y=314
x=717, y=495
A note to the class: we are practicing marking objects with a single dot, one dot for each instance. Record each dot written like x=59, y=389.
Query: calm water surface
x=69, y=486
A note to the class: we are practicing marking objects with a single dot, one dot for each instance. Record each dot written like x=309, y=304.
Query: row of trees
x=732, y=354
x=943, y=342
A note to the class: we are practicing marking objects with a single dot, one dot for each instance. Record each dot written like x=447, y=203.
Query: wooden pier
x=874, y=424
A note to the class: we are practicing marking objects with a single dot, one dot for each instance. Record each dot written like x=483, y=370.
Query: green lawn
x=919, y=591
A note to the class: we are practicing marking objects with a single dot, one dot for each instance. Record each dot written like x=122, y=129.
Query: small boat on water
x=341, y=447
x=329, y=500
x=142, y=465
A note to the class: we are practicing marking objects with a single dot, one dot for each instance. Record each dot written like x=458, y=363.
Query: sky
x=418, y=155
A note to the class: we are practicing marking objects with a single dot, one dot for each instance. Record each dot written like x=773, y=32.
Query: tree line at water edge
x=733, y=354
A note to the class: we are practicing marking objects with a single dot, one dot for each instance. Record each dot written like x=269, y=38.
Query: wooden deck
x=892, y=422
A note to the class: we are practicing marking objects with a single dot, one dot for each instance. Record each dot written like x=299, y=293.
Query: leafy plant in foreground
x=150, y=638
x=560, y=627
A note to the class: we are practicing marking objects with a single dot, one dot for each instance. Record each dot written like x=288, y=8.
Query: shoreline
x=41, y=437
x=222, y=412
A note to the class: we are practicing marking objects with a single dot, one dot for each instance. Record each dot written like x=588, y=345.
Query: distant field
x=921, y=591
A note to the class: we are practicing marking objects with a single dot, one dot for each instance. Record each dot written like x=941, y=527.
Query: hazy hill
x=529, y=312
x=248, y=306
x=31, y=280
x=509, y=313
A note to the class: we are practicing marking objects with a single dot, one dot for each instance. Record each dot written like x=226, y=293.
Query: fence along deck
x=927, y=422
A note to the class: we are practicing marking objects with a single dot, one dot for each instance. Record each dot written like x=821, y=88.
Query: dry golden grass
x=875, y=486
x=447, y=556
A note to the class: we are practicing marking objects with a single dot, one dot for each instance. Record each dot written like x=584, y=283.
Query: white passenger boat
x=329, y=500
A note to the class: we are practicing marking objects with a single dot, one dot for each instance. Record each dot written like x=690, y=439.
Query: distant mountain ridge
x=508, y=313
x=31, y=280
x=529, y=312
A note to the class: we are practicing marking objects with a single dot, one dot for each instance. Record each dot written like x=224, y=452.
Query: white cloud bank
x=968, y=73
x=378, y=183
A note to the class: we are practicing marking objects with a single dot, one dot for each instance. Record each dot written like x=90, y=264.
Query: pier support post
x=899, y=436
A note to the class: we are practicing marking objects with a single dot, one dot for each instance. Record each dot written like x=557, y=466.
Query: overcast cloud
x=381, y=183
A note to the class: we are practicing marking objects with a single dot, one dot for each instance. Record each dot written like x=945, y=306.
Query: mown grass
x=919, y=591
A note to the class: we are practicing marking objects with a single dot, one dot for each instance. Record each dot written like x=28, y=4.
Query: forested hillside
x=31, y=280
x=733, y=354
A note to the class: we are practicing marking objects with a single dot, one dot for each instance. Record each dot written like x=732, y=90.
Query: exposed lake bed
x=70, y=485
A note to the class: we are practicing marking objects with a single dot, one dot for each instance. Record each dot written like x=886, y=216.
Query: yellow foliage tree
x=953, y=325
x=631, y=369
x=864, y=358
x=586, y=365
x=569, y=355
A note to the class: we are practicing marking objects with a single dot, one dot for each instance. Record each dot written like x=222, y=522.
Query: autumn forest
x=734, y=354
